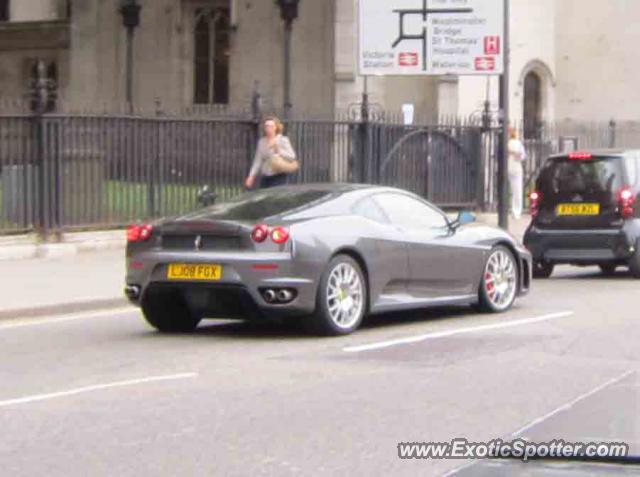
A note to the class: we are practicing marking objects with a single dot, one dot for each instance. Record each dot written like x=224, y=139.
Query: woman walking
x=274, y=158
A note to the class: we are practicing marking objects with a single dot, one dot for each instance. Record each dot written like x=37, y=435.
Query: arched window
x=532, y=112
x=4, y=10
x=212, y=51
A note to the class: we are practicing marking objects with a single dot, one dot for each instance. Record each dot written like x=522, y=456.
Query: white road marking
x=24, y=322
x=459, y=331
x=96, y=387
x=570, y=404
x=564, y=407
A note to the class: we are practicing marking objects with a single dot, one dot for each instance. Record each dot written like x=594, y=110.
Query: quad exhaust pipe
x=278, y=295
x=285, y=296
x=270, y=296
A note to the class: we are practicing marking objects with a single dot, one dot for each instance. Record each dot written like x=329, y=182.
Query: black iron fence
x=64, y=172
x=69, y=171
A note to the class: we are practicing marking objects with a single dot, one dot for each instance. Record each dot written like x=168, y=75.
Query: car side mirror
x=464, y=217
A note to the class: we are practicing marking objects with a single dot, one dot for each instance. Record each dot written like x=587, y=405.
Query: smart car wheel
x=341, y=298
x=499, y=282
x=608, y=269
x=542, y=269
x=168, y=312
x=634, y=262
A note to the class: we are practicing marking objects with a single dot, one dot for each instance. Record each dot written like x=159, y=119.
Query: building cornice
x=38, y=35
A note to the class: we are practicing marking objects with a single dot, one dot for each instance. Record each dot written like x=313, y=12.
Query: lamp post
x=288, y=13
x=130, y=11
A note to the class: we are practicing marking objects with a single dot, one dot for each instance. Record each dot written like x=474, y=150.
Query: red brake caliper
x=489, y=284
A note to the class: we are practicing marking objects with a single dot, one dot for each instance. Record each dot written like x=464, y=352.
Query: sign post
x=503, y=150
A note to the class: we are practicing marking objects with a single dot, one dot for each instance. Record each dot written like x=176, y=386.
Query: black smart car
x=586, y=211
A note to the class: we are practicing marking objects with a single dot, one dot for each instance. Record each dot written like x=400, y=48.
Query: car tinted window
x=566, y=176
x=261, y=204
x=371, y=210
x=408, y=212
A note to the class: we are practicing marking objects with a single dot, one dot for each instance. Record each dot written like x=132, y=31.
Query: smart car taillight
x=139, y=233
x=260, y=233
x=580, y=156
x=279, y=235
x=534, y=202
x=626, y=198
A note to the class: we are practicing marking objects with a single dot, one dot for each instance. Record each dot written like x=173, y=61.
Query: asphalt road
x=102, y=394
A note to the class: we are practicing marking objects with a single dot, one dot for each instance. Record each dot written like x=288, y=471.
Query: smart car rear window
x=581, y=176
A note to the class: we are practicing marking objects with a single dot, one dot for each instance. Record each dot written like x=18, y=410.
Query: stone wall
x=597, y=62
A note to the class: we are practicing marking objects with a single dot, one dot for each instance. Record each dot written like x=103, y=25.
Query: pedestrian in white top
x=517, y=155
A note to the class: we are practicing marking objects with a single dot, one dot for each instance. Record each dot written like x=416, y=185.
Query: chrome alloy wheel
x=500, y=279
x=345, y=296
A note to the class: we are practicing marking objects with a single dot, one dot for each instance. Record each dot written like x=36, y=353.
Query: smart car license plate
x=194, y=271
x=578, y=209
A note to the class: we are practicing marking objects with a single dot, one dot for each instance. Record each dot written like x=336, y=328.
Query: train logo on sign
x=408, y=59
x=485, y=63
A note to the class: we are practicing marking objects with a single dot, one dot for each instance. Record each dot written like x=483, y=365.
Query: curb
x=99, y=304
x=71, y=245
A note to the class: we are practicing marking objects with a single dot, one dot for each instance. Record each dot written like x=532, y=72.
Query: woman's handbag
x=280, y=165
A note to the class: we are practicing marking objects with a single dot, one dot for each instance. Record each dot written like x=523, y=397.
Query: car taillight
x=626, y=198
x=139, y=233
x=279, y=235
x=580, y=156
x=260, y=233
x=534, y=202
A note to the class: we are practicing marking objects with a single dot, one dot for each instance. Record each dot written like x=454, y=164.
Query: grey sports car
x=327, y=254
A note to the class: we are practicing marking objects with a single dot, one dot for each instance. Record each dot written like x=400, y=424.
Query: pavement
x=100, y=393
x=83, y=271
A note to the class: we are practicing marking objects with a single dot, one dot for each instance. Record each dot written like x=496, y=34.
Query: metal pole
x=287, y=68
x=365, y=135
x=503, y=149
x=129, y=72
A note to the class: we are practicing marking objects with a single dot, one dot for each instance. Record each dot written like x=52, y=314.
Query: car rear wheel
x=499, y=284
x=608, y=269
x=168, y=312
x=341, y=300
x=542, y=269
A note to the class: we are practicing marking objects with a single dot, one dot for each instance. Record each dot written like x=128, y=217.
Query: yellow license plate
x=194, y=271
x=578, y=209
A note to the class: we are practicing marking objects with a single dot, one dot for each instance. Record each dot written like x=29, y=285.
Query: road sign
x=431, y=37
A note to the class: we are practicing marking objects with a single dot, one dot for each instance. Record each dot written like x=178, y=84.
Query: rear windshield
x=565, y=176
x=262, y=204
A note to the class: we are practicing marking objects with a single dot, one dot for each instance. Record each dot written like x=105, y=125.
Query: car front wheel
x=499, y=284
x=341, y=300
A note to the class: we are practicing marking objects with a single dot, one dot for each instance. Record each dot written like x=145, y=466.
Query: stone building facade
x=569, y=59
x=194, y=52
